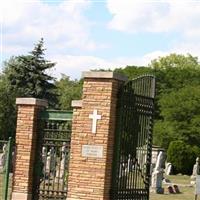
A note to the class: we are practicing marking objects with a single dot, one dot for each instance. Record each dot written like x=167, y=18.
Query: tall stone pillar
x=92, y=140
x=27, y=115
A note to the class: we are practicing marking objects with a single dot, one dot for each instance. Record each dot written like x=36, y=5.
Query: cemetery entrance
x=132, y=156
x=52, y=155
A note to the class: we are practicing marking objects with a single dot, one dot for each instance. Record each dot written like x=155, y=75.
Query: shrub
x=182, y=156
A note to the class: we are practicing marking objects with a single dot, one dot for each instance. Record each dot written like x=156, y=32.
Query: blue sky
x=81, y=35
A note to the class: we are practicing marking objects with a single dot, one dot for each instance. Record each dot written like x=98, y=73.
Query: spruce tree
x=29, y=75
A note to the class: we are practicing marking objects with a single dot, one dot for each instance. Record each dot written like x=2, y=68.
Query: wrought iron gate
x=52, y=158
x=132, y=156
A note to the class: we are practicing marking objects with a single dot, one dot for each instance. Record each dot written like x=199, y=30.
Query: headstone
x=195, y=172
x=170, y=190
x=176, y=189
x=63, y=160
x=50, y=162
x=166, y=181
x=168, y=169
x=44, y=153
x=60, y=168
x=3, y=158
x=129, y=164
x=157, y=176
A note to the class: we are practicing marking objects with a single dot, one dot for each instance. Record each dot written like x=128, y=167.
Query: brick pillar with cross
x=92, y=139
x=27, y=115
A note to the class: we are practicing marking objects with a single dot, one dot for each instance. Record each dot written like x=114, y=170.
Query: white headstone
x=3, y=157
x=157, y=175
x=51, y=162
x=63, y=160
x=61, y=166
x=44, y=153
x=168, y=169
x=195, y=172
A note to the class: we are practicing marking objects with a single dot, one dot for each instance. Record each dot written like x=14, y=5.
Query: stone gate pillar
x=27, y=114
x=92, y=138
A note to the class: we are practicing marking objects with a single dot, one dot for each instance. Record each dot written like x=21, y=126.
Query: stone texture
x=106, y=75
x=90, y=178
x=31, y=101
x=77, y=103
x=21, y=196
x=25, y=148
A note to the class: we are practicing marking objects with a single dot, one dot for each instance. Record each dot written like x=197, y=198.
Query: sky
x=80, y=35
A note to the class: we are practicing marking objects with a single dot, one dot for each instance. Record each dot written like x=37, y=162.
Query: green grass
x=187, y=191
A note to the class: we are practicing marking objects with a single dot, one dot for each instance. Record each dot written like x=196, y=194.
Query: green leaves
x=178, y=97
x=182, y=156
x=181, y=110
x=28, y=75
x=68, y=90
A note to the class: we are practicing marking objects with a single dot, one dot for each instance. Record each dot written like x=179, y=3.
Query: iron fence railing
x=132, y=154
x=52, y=158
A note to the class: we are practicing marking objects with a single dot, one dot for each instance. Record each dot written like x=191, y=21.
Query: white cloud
x=154, y=16
x=74, y=65
x=63, y=26
x=179, y=18
x=66, y=30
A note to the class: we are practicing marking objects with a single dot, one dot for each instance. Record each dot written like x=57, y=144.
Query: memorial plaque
x=92, y=151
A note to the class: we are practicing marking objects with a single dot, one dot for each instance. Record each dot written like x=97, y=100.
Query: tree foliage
x=134, y=71
x=68, y=90
x=181, y=117
x=28, y=75
x=178, y=96
x=175, y=71
x=24, y=76
x=7, y=109
x=182, y=156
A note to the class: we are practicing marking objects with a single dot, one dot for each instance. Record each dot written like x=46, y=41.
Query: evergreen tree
x=29, y=75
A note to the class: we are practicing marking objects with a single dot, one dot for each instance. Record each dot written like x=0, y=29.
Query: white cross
x=94, y=118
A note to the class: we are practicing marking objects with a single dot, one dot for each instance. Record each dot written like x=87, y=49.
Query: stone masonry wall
x=25, y=150
x=25, y=144
x=90, y=178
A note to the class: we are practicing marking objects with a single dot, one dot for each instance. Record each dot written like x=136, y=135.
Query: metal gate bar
x=132, y=156
x=53, y=155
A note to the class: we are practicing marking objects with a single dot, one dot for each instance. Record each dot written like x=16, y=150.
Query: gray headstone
x=157, y=175
x=3, y=157
x=195, y=172
x=168, y=169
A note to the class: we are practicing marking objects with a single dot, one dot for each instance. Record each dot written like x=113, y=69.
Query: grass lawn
x=187, y=192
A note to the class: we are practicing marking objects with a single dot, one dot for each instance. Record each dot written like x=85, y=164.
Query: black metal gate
x=132, y=156
x=52, y=157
